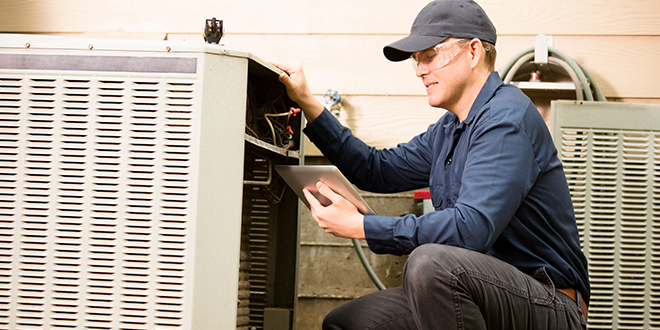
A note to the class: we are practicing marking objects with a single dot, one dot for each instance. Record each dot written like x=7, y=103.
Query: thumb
x=284, y=78
x=328, y=193
x=314, y=203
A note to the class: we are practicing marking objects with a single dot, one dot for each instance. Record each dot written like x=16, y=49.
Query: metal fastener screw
x=27, y=45
x=90, y=46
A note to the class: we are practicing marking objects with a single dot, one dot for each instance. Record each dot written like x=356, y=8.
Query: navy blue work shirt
x=495, y=181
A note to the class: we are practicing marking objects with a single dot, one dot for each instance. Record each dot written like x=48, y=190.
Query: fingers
x=289, y=68
x=278, y=65
x=284, y=75
x=341, y=218
x=298, y=90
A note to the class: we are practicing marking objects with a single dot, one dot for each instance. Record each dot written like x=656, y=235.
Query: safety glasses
x=440, y=55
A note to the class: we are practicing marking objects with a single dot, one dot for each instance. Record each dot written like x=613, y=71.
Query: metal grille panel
x=261, y=237
x=614, y=180
x=95, y=190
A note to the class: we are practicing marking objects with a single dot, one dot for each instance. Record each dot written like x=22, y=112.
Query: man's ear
x=476, y=50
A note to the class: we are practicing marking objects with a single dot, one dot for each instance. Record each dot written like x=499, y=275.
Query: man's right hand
x=297, y=89
x=341, y=218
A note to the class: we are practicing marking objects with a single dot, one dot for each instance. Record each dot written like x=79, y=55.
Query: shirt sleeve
x=500, y=169
x=397, y=169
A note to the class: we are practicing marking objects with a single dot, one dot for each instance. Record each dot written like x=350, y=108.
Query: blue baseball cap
x=439, y=20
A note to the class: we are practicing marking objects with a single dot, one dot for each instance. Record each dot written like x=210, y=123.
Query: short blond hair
x=490, y=55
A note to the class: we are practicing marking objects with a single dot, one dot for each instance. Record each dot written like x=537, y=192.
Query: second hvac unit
x=611, y=157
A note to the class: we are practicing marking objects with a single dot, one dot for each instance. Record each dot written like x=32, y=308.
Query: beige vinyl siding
x=340, y=43
x=511, y=17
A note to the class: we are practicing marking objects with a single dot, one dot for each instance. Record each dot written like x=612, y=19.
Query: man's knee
x=379, y=308
x=427, y=262
x=332, y=320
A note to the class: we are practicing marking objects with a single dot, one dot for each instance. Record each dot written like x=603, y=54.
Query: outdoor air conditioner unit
x=611, y=156
x=136, y=178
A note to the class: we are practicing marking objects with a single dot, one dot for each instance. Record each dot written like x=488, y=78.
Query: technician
x=501, y=250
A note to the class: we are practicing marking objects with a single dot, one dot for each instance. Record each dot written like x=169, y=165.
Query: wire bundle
x=268, y=116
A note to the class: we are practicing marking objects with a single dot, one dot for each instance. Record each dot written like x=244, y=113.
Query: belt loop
x=541, y=275
x=578, y=300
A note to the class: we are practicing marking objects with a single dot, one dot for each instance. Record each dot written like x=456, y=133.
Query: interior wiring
x=268, y=115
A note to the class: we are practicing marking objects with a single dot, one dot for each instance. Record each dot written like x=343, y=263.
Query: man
x=501, y=250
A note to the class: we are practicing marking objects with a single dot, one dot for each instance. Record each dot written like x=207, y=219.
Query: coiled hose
x=585, y=86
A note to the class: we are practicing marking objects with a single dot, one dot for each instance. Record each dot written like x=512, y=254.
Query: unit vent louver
x=260, y=236
x=114, y=236
x=611, y=157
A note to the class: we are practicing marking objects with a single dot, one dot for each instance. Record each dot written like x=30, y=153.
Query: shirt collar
x=492, y=84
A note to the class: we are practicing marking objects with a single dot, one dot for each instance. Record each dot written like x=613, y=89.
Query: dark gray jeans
x=446, y=287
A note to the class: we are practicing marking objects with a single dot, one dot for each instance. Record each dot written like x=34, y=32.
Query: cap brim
x=402, y=49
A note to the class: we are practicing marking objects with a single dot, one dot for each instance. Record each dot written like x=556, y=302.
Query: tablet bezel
x=299, y=177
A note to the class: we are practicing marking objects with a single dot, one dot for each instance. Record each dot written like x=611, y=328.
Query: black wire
x=270, y=196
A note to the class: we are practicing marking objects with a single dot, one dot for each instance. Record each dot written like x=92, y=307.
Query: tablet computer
x=299, y=177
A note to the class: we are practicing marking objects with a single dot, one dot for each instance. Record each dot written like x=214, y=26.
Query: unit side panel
x=219, y=202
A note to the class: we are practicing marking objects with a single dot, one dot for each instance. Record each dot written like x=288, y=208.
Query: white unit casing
x=121, y=177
